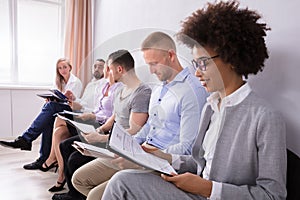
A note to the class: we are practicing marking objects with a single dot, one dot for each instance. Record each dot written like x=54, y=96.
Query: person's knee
x=97, y=192
x=78, y=180
x=119, y=177
x=75, y=178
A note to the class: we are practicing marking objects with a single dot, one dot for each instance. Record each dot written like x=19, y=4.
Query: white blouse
x=74, y=85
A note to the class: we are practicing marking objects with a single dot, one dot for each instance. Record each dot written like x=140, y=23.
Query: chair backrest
x=293, y=176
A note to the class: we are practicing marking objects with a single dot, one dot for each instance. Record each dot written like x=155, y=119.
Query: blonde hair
x=158, y=40
x=59, y=78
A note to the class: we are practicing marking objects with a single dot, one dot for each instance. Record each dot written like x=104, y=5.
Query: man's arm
x=189, y=125
x=136, y=122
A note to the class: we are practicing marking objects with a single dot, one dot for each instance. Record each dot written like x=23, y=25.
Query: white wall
x=120, y=25
x=19, y=107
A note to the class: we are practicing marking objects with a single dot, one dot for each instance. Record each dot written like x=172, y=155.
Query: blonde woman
x=65, y=81
x=43, y=123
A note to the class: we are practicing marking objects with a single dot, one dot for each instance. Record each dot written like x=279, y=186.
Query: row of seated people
x=224, y=149
x=174, y=115
x=71, y=86
x=135, y=96
x=171, y=124
x=46, y=124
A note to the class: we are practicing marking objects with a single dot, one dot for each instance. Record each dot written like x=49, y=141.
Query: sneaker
x=35, y=165
x=19, y=143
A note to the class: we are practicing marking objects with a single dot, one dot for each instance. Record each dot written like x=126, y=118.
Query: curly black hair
x=233, y=33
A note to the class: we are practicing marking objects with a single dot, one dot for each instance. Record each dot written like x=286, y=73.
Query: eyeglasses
x=200, y=63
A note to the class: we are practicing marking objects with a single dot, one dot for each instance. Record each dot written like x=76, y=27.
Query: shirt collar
x=231, y=100
x=72, y=78
x=180, y=77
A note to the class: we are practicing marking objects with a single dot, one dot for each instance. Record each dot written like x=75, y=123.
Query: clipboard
x=122, y=143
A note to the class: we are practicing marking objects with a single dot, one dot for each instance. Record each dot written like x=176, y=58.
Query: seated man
x=43, y=123
x=90, y=97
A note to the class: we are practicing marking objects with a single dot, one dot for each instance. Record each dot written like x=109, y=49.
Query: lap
x=144, y=184
x=95, y=171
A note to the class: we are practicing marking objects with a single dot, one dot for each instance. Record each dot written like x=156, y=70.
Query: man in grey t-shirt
x=130, y=111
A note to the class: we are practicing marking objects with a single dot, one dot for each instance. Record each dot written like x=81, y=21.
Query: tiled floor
x=17, y=183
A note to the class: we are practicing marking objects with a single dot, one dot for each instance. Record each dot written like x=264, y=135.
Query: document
x=85, y=128
x=70, y=113
x=92, y=150
x=54, y=95
x=123, y=144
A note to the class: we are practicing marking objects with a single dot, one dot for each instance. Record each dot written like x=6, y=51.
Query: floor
x=21, y=184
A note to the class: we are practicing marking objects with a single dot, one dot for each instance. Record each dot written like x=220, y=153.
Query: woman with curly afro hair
x=240, y=151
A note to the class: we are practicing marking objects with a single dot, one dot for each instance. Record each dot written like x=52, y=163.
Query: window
x=31, y=40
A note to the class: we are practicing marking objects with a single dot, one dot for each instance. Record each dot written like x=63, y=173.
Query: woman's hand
x=190, y=183
x=69, y=94
x=94, y=137
x=111, y=78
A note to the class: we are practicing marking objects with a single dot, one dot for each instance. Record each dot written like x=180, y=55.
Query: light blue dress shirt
x=174, y=114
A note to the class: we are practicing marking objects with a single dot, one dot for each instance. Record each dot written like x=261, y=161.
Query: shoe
x=35, y=165
x=19, y=143
x=62, y=196
x=47, y=168
x=58, y=188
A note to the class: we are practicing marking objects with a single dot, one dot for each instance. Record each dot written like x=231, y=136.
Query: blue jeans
x=43, y=124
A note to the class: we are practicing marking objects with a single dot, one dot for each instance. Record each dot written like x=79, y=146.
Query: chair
x=293, y=176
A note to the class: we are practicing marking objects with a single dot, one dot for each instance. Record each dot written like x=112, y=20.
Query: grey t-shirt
x=137, y=102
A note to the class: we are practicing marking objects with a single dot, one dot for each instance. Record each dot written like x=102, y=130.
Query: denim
x=43, y=124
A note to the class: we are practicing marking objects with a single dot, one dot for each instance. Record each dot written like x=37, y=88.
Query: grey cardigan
x=250, y=155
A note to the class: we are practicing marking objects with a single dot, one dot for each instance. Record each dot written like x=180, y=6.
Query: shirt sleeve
x=74, y=85
x=189, y=124
x=140, y=102
x=142, y=134
x=216, y=191
x=176, y=161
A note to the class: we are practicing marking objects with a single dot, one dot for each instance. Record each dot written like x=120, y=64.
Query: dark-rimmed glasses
x=200, y=63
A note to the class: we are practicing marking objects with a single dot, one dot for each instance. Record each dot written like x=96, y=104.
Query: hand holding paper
x=91, y=150
x=93, y=137
x=123, y=144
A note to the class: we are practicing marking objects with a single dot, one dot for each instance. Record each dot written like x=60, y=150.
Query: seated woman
x=65, y=82
x=240, y=151
x=62, y=131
